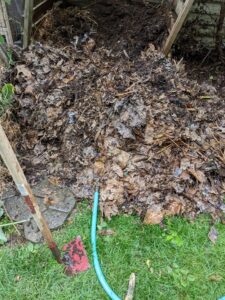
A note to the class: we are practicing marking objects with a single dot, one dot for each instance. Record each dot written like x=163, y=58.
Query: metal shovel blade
x=75, y=257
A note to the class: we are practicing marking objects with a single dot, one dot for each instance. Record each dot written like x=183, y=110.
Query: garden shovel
x=75, y=258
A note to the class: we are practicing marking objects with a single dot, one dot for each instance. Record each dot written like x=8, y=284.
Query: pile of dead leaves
x=154, y=138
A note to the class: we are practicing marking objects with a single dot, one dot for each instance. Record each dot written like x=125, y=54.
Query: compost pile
x=96, y=100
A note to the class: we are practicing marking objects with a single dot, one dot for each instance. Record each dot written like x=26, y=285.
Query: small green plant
x=2, y=40
x=181, y=277
x=174, y=238
x=8, y=53
x=171, y=235
x=6, y=97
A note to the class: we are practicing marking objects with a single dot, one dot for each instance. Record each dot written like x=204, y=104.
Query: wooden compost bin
x=19, y=18
x=5, y=29
x=202, y=20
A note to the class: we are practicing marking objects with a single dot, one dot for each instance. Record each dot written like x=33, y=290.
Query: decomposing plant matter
x=112, y=106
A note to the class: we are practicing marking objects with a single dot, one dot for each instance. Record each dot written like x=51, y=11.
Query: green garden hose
x=97, y=266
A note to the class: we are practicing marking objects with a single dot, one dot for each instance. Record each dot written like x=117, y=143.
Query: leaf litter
x=96, y=99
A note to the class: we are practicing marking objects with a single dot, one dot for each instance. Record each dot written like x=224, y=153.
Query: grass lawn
x=175, y=262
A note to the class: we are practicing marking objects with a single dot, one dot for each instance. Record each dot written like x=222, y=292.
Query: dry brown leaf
x=110, y=209
x=216, y=278
x=29, y=90
x=144, y=98
x=154, y=215
x=67, y=80
x=149, y=133
x=22, y=69
x=49, y=201
x=106, y=232
x=174, y=208
x=117, y=170
x=122, y=158
x=113, y=190
x=99, y=168
x=199, y=175
x=54, y=180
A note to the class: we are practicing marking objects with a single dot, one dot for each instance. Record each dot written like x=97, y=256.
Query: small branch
x=131, y=286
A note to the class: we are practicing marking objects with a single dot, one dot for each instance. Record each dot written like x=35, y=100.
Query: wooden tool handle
x=19, y=178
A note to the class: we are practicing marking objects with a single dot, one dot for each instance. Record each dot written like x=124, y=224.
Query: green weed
x=6, y=97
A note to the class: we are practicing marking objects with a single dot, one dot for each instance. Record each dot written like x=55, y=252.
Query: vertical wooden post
x=28, y=20
x=177, y=26
x=9, y=158
x=4, y=12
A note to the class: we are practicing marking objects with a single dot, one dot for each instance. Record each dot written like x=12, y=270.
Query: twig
x=14, y=223
x=125, y=93
x=131, y=286
x=8, y=197
x=204, y=59
x=5, y=211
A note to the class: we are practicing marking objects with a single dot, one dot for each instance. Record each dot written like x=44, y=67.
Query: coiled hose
x=97, y=266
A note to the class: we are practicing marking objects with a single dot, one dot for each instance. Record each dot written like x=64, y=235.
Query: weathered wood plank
x=41, y=9
x=177, y=26
x=28, y=19
x=4, y=13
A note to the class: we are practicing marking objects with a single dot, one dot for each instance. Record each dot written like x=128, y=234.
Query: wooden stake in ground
x=177, y=26
x=19, y=178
